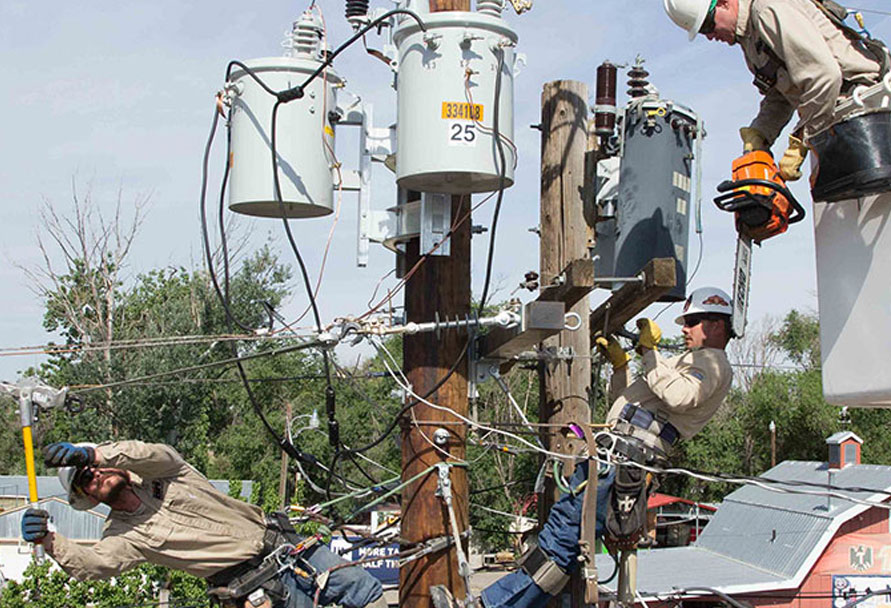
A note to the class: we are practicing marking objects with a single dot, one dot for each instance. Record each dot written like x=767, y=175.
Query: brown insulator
x=637, y=81
x=605, y=99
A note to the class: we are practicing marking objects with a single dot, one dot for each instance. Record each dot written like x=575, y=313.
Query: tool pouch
x=626, y=514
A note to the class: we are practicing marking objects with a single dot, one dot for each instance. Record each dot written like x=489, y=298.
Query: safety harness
x=645, y=438
x=283, y=549
x=872, y=48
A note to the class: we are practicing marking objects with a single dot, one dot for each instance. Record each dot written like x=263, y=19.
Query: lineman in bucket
x=673, y=399
x=165, y=512
x=803, y=58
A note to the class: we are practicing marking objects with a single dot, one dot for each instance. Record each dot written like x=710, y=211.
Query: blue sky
x=120, y=95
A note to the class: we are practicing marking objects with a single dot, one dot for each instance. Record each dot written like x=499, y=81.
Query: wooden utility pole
x=440, y=285
x=565, y=376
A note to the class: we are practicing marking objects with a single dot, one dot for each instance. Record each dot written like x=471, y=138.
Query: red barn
x=810, y=536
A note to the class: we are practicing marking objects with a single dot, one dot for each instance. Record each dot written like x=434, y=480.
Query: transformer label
x=459, y=110
x=462, y=133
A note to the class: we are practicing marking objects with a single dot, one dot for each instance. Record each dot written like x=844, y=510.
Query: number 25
x=466, y=133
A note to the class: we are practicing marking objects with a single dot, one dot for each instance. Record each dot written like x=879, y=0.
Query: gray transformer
x=653, y=206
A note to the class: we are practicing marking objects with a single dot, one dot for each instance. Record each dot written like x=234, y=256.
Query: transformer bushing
x=446, y=83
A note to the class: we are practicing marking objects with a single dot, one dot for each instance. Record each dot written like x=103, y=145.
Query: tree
x=82, y=296
x=46, y=587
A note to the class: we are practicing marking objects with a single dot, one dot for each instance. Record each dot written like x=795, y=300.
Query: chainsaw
x=764, y=207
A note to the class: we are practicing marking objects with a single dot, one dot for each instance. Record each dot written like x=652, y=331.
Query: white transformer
x=446, y=81
x=304, y=133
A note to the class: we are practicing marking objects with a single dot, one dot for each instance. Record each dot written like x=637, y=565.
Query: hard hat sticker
x=460, y=110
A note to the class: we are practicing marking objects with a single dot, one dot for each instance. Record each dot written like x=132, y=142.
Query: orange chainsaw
x=764, y=207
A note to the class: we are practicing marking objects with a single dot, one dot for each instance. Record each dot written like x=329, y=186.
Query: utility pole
x=440, y=285
x=565, y=375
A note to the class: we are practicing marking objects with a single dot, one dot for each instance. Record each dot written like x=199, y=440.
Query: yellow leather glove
x=650, y=334
x=753, y=139
x=790, y=164
x=612, y=350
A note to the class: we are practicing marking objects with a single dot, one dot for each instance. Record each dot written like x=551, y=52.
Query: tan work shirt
x=183, y=522
x=686, y=390
x=819, y=62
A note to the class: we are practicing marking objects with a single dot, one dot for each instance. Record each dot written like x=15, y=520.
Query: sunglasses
x=694, y=320
x=83, y=477
x=708, y=26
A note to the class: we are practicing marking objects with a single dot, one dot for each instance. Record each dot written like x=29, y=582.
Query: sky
x=118, y=97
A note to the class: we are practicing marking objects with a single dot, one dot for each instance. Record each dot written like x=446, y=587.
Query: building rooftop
x=761, y=539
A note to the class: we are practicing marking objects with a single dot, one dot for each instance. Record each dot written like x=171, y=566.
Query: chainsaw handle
x=728, y=185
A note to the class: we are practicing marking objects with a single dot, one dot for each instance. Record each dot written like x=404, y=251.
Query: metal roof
x=759, y=539
x=79, y=525
x=663, y=571
x=837, y=438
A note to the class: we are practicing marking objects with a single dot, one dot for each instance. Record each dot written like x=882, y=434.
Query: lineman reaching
x=165, y=512
x=801, y=59
x=673, y=399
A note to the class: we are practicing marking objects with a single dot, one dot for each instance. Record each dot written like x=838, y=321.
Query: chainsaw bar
x=742, y=272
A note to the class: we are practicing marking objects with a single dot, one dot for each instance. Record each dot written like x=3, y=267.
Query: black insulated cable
x=297, y=92
x=208, y=255
x=502, y=179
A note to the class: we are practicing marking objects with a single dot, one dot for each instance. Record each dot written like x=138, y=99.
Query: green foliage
x=799, y=338
x=44, y=587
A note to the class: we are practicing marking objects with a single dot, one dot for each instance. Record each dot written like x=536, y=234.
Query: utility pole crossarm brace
x=659, y=277
x=574, y=283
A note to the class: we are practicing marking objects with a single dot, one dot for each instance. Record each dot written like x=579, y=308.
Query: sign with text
x=385, y=566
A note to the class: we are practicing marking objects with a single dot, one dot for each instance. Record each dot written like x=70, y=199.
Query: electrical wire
x=297, y=92
x=502, y=180
x=192, y=368
x=208, y=255
x=407, y=407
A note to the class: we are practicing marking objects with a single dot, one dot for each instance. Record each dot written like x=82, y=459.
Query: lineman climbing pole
x=440, y=286
x=566, y=273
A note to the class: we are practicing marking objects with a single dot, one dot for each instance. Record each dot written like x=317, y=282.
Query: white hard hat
x=706, y=300
x=688, y=14
x=76, y=498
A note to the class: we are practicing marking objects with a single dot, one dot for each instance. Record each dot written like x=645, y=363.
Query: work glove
x=35, y=525
x=790, y=164
x=612, y=350
x=650, y=335
x=64, y=454
x=753, y=139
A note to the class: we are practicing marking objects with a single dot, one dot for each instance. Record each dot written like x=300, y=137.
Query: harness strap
x=654, y=424
x=544, y=571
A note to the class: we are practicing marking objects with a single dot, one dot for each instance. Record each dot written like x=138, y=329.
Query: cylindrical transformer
x=304, y=140
x=654, y=206
x=605, y=100
x=455, y=86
